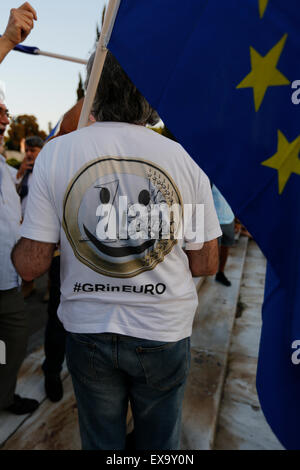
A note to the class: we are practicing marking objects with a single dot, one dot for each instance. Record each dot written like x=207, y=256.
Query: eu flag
x=220, y=74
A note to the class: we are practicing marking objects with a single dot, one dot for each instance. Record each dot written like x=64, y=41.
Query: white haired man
x=127, y=302
x=13, y=324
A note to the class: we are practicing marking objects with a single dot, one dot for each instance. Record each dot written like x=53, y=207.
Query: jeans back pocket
x=167, y=365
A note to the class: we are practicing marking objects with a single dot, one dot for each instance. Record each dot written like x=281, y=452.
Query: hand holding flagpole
x=19, y=26
x=101, y=52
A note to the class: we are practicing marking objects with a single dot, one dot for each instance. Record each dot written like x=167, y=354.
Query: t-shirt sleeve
x=41, y=222
x=202, y=224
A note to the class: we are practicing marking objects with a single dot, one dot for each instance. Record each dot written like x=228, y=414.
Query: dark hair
x=34, y=141
x=117, y=98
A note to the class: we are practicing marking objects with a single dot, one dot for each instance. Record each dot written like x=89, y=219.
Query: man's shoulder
x=59, y=145
x=62, y=139
x=171, y=147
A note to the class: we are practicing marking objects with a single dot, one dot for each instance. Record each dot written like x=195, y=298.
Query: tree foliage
x=98, y=29
x=80, y=89
x=103, y=14
x=14, y=163
x=22, y=127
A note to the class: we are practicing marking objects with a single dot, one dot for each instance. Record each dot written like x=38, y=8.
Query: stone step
x=54, y=426
x=210, y=343
x=30, y=384
x=241, y=424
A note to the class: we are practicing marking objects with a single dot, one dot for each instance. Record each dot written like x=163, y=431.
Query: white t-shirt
x=141, y=288
x=10, y=220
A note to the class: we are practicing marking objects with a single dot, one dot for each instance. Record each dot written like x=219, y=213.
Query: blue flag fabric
x=26, y=49
x=220, y=75
x=55, y=130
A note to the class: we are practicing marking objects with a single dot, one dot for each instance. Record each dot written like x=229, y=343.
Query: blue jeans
x=108, y=370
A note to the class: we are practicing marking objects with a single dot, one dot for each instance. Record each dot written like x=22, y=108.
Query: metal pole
x=62, y=57
x=101, y=52
x=36, y=51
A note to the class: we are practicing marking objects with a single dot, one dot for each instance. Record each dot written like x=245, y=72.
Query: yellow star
x=286, y=160
x=262, y=7
x=264, y=72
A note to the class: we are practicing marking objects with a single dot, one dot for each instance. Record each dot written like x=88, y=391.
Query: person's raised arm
x=20, y=24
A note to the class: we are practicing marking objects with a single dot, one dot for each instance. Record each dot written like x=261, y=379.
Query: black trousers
x=55, y=334
x=14, y=336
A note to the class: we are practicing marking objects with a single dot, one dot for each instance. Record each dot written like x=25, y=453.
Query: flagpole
x=101, y=52
x=36, y=51
x=62, y=57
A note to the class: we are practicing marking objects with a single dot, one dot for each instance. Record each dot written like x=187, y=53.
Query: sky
x=43, y=86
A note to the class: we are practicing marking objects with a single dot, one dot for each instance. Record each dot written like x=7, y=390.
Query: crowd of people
x=120, y=310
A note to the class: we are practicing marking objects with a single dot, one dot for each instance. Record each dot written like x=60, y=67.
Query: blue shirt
x=223, y=209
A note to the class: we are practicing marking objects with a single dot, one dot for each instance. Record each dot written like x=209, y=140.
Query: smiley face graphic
x=106, y=183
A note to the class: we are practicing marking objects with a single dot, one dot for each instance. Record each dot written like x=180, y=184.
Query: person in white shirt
x=127, y=294
x=13, y=324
